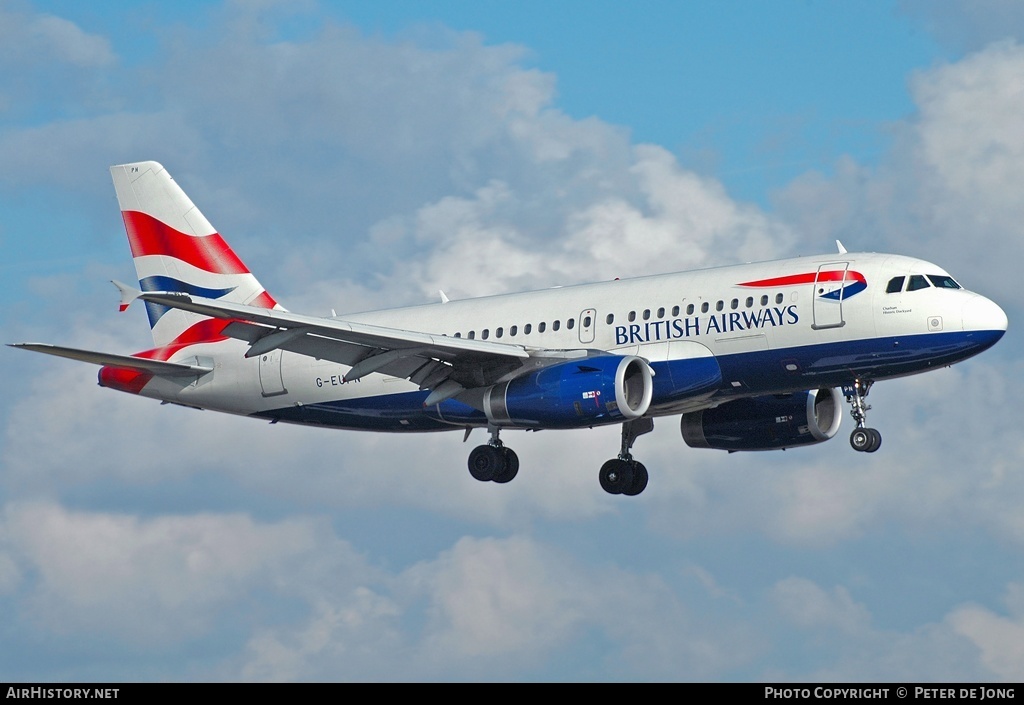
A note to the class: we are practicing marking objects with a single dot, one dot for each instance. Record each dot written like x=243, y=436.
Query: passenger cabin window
x=750, y=302
x=527, y=328
x=895, y=285
x=484, y=334
x=610, y=319
x=917, y=282
x=472, y=335
x=704, y=307
x=764, y=300
x=632, y=316
x=513, y=330
x=571, y=323
x=541, y=326
x=661, y=313
x=689, y=309
x=556, y=325
x=586, y=321
x=647, y=314
x=778, y=298
x=943, y=281
x=675, y=310
x=498, y=332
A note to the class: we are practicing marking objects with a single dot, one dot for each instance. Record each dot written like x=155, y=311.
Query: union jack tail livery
x=176, y=249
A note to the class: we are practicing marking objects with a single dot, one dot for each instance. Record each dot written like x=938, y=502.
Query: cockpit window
x=895, y=285
x=917, y=281
x=943, y=281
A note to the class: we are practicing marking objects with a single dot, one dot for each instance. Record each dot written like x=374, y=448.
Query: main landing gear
x=493, y=462
x=863, y=439
x=624, y=475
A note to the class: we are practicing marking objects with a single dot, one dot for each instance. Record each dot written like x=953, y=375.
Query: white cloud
x=968, y=24
x=34, y=39
x=947, y=190
x=809, y=606
x=845, y=643
x=675, y=220
x=494, y=608
x=1000, y=639
x=949, y=460
x=153, y=580
x=49, y=65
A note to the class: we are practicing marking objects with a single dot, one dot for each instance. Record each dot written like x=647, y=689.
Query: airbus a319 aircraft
x=751, y=357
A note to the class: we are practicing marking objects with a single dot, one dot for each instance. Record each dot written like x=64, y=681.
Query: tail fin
x=176, y=249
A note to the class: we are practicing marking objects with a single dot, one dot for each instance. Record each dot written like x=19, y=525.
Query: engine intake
x=587, y=392
x=766, y=423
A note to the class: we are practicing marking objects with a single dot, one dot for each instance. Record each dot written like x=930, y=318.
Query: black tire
x=485, y=462
x=511, y=467
x=639, y=483
x=615, y=476
x=876, y=441
x=861, y=439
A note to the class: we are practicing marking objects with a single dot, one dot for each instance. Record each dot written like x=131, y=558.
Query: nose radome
x=982, y=314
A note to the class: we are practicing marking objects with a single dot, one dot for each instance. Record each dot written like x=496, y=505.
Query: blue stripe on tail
x=158, y=283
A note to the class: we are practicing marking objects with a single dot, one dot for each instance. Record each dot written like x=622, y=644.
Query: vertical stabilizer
x=176, y=249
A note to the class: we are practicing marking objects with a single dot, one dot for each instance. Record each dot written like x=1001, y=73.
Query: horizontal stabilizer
x=128, y=293
x=157, y=367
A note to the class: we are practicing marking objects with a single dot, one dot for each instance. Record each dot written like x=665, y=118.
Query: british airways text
x=691, y=326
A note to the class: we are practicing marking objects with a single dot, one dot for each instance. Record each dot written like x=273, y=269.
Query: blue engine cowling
x=586, y=392
x=766, y=423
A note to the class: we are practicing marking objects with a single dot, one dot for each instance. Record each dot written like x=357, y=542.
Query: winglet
x=842, y=250
x=444, y=297
x=128, y=294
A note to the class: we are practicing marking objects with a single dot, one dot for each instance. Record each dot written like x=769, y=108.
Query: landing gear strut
x=493, y=462
x=863, y=439
x=623, y=475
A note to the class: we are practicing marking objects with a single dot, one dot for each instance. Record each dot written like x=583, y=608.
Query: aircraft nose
x=982, y=314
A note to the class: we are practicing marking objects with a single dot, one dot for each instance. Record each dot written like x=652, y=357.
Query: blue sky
x=363, y=155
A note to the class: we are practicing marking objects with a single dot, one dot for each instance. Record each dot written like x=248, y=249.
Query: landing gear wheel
x=639, y=483
x=511, y=469
x=866, y=440
x=616, y=476
x=485, y=462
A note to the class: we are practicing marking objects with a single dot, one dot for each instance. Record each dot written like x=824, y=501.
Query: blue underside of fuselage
x=742, y=374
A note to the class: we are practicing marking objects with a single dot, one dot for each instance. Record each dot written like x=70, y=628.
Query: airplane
x=750, y=357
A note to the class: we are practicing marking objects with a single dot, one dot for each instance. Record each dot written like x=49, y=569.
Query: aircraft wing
x=158, y=367
x=447, y=366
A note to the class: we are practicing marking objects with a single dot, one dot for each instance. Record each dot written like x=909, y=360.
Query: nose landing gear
x=863, y=439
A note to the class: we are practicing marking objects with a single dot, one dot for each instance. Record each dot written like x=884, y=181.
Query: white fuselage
x=772, y=327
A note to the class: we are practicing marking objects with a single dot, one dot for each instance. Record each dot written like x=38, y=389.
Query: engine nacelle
x=585, y=392
x=766, y=423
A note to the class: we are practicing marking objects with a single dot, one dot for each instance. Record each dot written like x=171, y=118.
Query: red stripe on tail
x=149, y=236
